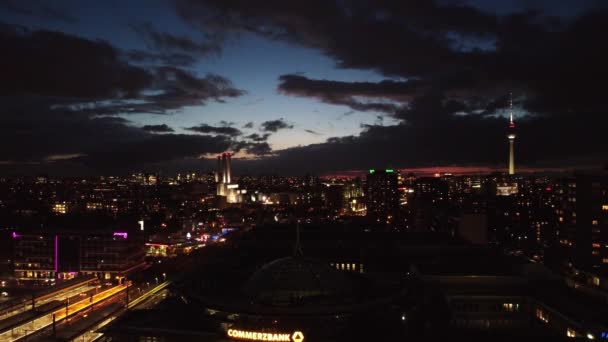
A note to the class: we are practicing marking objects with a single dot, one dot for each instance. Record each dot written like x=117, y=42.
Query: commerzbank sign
x=296, y=336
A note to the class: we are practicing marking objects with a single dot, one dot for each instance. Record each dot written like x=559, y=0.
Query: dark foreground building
x=353, y=284
x=108, y=254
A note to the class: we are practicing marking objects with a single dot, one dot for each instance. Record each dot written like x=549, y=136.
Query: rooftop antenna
x=511, y=123
x=298, y=247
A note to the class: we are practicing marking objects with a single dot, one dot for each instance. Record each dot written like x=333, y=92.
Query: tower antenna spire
x=511, y=135
x=511, y=108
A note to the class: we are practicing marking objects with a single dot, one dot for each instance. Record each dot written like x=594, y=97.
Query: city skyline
x=299, y=87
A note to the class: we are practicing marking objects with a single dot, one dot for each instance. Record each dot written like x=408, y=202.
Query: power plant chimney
x=228, y=168
x=224, y=169
x=218, y=170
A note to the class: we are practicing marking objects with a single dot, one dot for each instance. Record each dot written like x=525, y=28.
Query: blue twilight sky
x=302, y=85
x=252, y=63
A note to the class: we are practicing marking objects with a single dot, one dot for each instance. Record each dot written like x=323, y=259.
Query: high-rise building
x=582, y=227
x=382, y=194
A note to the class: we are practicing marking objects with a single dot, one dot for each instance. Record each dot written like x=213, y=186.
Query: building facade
x=109, y=255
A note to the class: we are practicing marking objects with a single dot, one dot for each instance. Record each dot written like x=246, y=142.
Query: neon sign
x=121, y=234
x=296, y=336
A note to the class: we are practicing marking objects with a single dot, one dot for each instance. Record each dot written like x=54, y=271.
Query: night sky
x=111, y=87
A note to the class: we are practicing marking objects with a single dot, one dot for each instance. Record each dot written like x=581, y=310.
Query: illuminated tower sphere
x=511, y=135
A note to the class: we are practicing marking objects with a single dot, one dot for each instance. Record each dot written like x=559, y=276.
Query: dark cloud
x=39, y=9
x=449, y=66
x=275, y=125
x=257, y=137
x=153, y=149
x=384, y=96
x=540, y=142
x=220, y=130
x=59, y=89
x=449, y=46
x=327, y=90
x=91, y=144
x=373, y=35
x=181, y=88
x=92, y=78
x=157, y=128
x=84, y=69
x=248, y=125
x=175, y=59
x=165, y=41
x=312, y=132
x=259, y=149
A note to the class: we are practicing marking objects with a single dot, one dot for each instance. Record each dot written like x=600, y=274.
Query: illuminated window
x=594, y=222
x=510, y=307
x=595, y=252
x=596, y=245
x=605, y=207
x=596, y=281
x=542, y=315
x=605, y=260
x=570, y=333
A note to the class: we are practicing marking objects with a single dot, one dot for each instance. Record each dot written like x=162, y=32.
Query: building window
x=510, y=307
x=594, y=222
x=596, y=281
x=605, y=207
x=541, y=315
x=570, y=333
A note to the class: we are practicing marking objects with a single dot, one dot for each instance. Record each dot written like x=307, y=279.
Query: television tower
x=511, y=135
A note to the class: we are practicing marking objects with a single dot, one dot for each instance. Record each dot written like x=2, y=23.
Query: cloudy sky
x=100, y=87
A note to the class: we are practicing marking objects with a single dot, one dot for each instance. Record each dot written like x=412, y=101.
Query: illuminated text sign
x=265, y=336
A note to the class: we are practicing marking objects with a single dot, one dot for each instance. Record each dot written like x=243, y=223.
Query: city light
x=303, y=170
x=121, y=234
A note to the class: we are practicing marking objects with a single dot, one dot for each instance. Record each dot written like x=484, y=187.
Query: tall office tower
x=511, y=136
x=382, y=195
